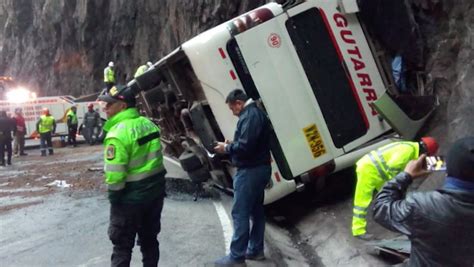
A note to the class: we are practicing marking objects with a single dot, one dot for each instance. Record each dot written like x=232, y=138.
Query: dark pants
x=72, y=131
x=5, y=144
x=89, y=135
x=249, y=186
x=128, y=220
x=19, y=144
x=46, y=143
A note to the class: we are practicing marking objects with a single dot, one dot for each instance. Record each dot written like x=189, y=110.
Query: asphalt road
x=53, y=226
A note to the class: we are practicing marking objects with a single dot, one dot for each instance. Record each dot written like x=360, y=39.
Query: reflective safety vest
x=73, y=117
x=140, y=70
x=133, y=160
x=109, y=75
x=46, y=124
x=390, y=159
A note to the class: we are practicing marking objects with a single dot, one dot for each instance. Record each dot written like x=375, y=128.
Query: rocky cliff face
x=447, y=28
x=61, y=47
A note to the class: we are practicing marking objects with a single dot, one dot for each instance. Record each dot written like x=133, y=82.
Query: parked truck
x=310, y=66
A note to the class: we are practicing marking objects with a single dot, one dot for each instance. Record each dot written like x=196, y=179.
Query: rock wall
x=448, y=33
x=62, y=46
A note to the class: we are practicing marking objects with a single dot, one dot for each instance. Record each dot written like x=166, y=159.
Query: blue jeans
x=249, y=186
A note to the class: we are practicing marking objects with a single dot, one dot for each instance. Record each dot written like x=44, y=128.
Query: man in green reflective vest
x=72, y=126
x=135, y=176
x=378, y=167
x=142, y=69
x=46, y=127
x=109, y=75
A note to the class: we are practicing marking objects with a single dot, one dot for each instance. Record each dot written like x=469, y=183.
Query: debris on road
x=59, y=183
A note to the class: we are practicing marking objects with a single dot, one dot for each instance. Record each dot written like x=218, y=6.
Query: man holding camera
x=439, y=224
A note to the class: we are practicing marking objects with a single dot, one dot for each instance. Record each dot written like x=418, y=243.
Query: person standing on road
x=135, y=176
x=91, y=124
x=7, y=126
x=19, y=144
x=72, y=126
x=439, y=223
x=109, y=75
x=46, y=127
x=376, y=168
x=250, y=153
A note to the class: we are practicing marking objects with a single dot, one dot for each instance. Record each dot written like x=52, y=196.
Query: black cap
x=460, y=159
x=119, y=93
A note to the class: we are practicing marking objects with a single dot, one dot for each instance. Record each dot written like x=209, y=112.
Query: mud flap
x=398, y=248
x=406, y=114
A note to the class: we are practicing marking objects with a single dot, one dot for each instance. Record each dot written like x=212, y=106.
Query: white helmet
x=149, y=64
x=111, y=64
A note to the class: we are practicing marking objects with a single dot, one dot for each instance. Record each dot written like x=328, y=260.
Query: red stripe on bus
x=277, y=177
x=221, y=51
x=341, y=58
x=232, y=74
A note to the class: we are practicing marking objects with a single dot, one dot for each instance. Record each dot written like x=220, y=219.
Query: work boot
x=255, y=257
x=43, y=153
x=51, y=152
x=228, y=261
x=365, y=237
x=9, y=162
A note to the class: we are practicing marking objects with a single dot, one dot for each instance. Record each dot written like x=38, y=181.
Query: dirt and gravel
x=32, y=177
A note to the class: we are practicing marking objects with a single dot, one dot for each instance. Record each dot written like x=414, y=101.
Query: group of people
x=438, y=223
x=9, y=128
x=91, y=124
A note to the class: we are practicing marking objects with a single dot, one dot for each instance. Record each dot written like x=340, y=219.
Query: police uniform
x=373, y=170
x=134, y=174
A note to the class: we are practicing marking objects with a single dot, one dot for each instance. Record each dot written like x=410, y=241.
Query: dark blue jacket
x=251, y=145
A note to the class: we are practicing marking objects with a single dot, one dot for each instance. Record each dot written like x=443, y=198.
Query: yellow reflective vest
x=46, y=124
x=133, y=160
x=390, y=159
x=109, y=75
x=140, y=70
x=72, y=117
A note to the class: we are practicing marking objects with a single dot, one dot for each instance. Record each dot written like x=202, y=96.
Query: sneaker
x=365, y=237
x=255, y=257
x=228, y=261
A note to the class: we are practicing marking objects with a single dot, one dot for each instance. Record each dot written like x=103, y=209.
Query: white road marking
x=227, y=228
x=175, y=162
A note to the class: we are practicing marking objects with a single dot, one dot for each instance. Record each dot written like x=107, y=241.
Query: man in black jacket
x=7, y=126
x=439, y=224
x=250, y=153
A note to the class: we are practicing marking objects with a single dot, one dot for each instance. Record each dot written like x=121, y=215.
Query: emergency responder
x=109, y=75
x=72, y=126
x=135, y=176
x=91, y=124
x=19, y=144
x=142, y=69
x=7, y=126
x=376, y=168
x=46, y=127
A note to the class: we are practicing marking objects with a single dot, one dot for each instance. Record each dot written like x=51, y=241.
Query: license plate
x=314, y=140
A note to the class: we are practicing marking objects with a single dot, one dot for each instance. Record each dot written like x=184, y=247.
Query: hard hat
x=90, y=105
x=149, y=64
x=111, y=64
x=430, y=144
x=45, y=110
